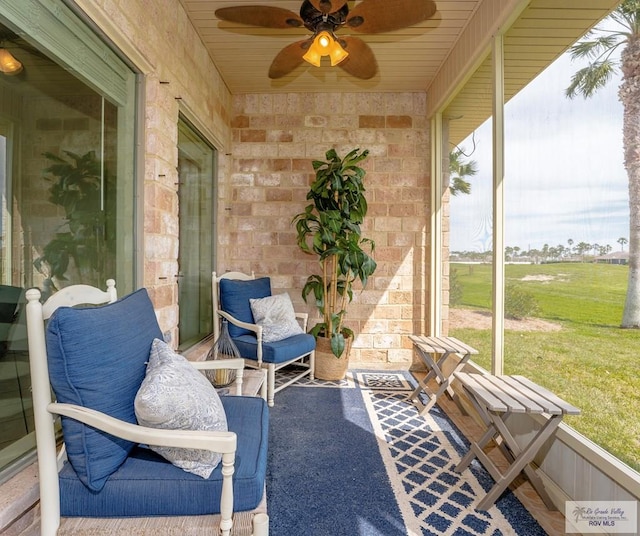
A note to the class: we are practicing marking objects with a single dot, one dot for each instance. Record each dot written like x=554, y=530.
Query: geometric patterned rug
x=420, y=453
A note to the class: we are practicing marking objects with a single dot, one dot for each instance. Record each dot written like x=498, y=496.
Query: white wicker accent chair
x=54, y=462
x=231, y=294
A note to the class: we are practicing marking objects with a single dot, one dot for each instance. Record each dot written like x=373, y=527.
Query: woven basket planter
x=328, y=366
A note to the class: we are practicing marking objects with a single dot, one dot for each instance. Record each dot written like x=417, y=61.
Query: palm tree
x=582, y=248
x=545, y=252
x=622, y=241
x=598, y=46
x=459, y=170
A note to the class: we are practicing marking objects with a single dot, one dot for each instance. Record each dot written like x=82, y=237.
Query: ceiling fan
x=324, y=18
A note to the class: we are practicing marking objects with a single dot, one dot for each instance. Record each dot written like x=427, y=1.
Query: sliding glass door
x=196, y=165
x=67, y=186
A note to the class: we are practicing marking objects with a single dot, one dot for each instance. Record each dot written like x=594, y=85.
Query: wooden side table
x=434, y=352
x=495, y=398
x=253, y=381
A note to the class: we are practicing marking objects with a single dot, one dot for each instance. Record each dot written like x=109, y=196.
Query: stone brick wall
x=275, y=139
x=266, y=144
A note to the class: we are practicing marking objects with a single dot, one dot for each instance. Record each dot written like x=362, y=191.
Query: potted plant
x=330, y=227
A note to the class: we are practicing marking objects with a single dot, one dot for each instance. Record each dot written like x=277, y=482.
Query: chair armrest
x=235, y=363
x=304, y=318
x=246, y=325
x=223, y=442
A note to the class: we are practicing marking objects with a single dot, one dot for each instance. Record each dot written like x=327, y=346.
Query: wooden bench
x=495, y=398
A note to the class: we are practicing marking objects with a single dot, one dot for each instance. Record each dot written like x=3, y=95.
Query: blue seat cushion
x=234, y=299
x=277, y=351
x=97, y=359
x=147, y=485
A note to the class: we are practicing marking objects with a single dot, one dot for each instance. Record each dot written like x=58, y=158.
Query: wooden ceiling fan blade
x=265, y=16
x=288, y=59
x=361, y=61
x=377, y=16
x=327, y=6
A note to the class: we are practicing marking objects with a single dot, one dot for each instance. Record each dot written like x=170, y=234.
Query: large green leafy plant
x=330, y=227
x=78, y=187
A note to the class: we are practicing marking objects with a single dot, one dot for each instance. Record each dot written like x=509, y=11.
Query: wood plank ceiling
x=408, y=59
x=543, y=31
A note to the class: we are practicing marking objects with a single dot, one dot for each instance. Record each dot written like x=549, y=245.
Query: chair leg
x=263, y=387
x=260, y=525
x=226, y=497
x=271, y=383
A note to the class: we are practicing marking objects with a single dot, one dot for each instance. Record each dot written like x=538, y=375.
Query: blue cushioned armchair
x=232, y=293
x=95, y=360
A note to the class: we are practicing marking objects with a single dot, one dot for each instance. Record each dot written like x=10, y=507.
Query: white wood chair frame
x=271, y=367
x=46, y=411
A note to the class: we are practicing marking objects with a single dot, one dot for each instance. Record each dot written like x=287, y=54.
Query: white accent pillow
x=276, y=316
x=176, y=396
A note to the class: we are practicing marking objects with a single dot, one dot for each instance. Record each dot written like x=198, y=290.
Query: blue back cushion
x=97, y=359
x=234, y=299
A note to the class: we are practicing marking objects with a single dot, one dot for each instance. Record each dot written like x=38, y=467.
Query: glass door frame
x=204, y=285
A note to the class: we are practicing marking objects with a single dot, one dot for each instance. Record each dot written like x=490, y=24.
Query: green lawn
x=590, y=362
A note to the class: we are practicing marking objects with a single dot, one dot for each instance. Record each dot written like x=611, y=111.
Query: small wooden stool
x=445, y=347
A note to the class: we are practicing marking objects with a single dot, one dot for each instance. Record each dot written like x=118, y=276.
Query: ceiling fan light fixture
x=313, y=55
x=9, y=65
x=325, y=44
x=337, y=53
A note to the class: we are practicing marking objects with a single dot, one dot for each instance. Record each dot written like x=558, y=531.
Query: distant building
x=617, y=257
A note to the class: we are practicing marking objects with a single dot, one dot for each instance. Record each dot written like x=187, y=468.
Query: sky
x=564, y=173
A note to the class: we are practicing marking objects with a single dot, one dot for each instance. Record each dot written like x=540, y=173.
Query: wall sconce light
x=9, y=65
x=325, y=44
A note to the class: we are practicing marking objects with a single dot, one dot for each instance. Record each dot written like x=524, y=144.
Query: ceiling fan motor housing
x=316, y=21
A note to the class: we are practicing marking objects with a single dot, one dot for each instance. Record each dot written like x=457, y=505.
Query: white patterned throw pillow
x=176, y=396
x=276, y=316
